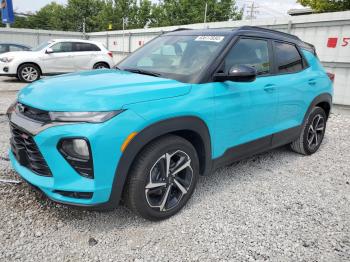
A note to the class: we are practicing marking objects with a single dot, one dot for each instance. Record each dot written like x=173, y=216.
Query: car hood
x=98, y=90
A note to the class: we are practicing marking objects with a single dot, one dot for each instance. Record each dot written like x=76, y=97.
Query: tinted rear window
x=85, y=47
x=288, y=58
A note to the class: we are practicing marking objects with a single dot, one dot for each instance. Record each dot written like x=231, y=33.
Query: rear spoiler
x=311, y=48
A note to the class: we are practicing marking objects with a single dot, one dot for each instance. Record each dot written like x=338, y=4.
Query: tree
x=98, y=14
x=182, y=12
x=50, y=17
x=79, y=11
x=327, y=5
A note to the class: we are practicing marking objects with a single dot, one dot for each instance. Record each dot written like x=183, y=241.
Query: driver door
x=246, y=111
x=61, y=60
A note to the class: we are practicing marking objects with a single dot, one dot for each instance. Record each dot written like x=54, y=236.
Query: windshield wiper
x=143, y=72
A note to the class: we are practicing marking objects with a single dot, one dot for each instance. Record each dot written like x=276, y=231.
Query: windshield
x=176, y=57
x=41, y=46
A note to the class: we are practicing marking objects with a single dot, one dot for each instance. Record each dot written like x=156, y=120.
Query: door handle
x=269, y=88
x=312, y=82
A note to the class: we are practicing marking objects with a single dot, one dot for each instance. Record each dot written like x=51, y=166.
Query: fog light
x=77, y=152
x=76, y=148
x=6, y=69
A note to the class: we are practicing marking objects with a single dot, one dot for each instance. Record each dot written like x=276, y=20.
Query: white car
x=55, y=57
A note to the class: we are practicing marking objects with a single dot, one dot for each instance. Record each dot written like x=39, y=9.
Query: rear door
x=246, y=111
x=295, y=82
x=84, y=55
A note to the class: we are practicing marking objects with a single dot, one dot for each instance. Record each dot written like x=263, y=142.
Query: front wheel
x=163, y=178
x=312, y=133
x=28, y=73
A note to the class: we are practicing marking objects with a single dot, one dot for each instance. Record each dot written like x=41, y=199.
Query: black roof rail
x=262, y=29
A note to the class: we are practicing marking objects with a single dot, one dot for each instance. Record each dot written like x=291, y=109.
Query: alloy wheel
x=316, y=131
x=30, y=74
x=169, y=180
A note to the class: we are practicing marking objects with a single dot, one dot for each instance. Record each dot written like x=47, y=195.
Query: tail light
x=331, y=76
x=110, y=54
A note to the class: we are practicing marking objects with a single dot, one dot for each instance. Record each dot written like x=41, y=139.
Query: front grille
x=26, y=151
x=33, y=113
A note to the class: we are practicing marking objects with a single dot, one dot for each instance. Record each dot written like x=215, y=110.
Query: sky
x=265, y=8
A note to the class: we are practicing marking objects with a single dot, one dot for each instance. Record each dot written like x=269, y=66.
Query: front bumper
x=8, y=69
x=105, y=140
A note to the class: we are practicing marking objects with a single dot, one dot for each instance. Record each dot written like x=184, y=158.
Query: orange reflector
x=127, y=141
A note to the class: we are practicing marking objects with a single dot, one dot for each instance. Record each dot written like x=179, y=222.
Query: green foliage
x=327, y=5
x=99, y=14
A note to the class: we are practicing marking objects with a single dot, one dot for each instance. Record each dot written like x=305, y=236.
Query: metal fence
x=329, y=32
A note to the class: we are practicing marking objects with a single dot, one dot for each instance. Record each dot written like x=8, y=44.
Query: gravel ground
x=277, y=206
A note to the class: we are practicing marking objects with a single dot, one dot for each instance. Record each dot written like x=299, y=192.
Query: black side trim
x=260, y=145
x=150, y=133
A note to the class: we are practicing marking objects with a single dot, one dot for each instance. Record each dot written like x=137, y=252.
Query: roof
x=244, y=30
x=302, y=11
x=73, y=40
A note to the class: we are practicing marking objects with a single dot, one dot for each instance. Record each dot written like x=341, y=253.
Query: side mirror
x=49, y=51
x=240, y=73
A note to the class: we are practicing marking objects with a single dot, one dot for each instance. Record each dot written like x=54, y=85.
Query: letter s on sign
x=345, y=41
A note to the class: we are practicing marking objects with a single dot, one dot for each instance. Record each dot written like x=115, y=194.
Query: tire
x=28, y=73
x=152, y=194
x=101, y=65
x=312, y=133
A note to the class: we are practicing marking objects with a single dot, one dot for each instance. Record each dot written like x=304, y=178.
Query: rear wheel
x=101, y=65
x=28, y=73
x=312, y=133
x=163, y=178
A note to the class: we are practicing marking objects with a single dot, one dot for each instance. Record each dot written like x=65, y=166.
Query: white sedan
x=55, y=57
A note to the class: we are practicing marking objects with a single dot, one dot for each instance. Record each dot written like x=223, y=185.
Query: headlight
x=89, y=117
x=6, y=59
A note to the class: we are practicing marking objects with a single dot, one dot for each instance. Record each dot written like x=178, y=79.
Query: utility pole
x=84, y=28
x=252, y=10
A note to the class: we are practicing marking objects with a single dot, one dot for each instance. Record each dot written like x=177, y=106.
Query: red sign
x=333, y=42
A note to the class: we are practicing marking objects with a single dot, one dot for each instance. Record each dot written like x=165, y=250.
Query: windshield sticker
x=210, y=38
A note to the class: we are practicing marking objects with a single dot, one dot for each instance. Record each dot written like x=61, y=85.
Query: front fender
x=150, y=133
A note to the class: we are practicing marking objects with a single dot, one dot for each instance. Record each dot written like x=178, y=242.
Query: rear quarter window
x=288, y=58
x=86, y=47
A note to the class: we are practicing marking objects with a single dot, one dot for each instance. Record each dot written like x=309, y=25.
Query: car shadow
x=207, y=187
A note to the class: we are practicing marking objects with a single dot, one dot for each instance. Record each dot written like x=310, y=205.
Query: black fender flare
x=158, y=129
x=322, y=98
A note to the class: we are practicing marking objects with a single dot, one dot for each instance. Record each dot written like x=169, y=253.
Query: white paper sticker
x=210, y=38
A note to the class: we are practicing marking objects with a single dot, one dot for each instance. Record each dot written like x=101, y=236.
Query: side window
x=250, y=52
x=288, y=59
x=3, y=48
x=62, y=47
x=16, y=48
x=86, y=47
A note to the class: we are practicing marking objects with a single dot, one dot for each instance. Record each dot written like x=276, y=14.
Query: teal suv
x=183, y=105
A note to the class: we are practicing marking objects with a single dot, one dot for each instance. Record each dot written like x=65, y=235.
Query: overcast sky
x=265, y=8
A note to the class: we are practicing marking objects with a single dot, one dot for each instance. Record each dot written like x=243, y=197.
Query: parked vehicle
x=55, y=57
x=183, y=105
x=11, y=47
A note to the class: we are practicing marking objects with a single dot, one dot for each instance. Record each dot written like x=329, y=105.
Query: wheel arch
x=101, y=62
x=324, y=101
x=191, y=128
x=32, y=63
